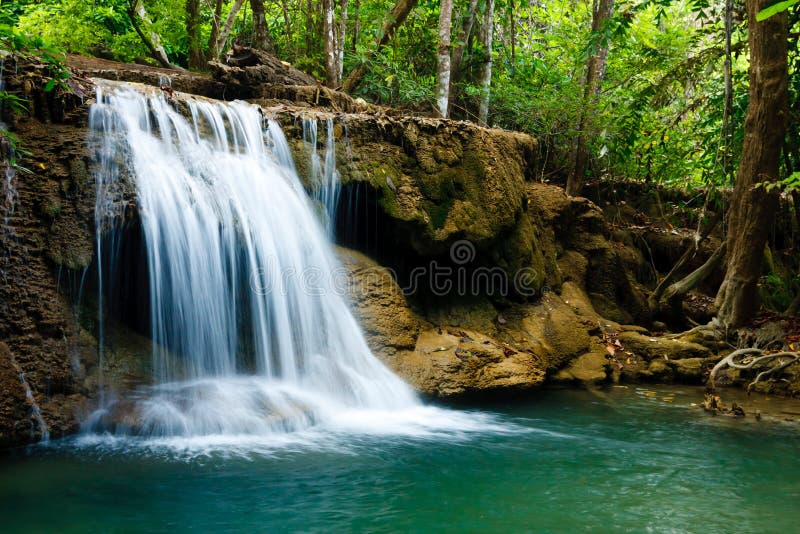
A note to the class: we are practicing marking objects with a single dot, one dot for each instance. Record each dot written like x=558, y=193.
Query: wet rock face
x=438, y=361
x=48, y=233
x=16, y=425
x=434, y=183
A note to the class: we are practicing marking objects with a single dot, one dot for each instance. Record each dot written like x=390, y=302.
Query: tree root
x=711, y=329
x=751, y=357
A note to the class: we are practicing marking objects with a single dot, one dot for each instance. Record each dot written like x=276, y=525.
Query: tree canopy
x=648, y=90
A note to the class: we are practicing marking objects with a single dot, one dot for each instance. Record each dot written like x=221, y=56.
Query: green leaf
x=50, y=85
x=774, y=9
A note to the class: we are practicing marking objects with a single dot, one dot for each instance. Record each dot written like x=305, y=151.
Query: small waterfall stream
x=324, y=176
x=8, y=189
x=37, y=413
x=251, y=333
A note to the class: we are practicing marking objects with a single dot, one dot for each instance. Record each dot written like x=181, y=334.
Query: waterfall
x=252, y=333
x=37, y=413
x=324, y=176
x=8, y=178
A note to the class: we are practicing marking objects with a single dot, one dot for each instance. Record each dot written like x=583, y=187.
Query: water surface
x=626, y=460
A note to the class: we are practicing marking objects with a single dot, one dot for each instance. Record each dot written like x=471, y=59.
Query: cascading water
x=9, y=193
x=251, y=332
x=35, y=410
x=324, y=176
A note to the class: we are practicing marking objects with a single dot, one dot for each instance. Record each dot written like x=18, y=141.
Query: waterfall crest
x=252, y=332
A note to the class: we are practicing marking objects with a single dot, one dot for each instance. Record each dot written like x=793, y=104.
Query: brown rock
x=378, y=302
x=446, y=365
x=589, y=369
x=651, y=348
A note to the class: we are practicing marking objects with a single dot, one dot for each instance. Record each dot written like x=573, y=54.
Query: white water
x=324, y=176
x=35, y=410
x=251, y=336
x=9, y=193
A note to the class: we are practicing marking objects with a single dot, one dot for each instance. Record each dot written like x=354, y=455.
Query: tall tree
x=334, y=41
x=225, y=30
x=215, y=27
x=464, y=33
x=487, y=33
x=595, y=71
x=260, y=26
x=141, y=23
x=752, y=210
x=443, y=57
x=394, y=20
x=196, y=56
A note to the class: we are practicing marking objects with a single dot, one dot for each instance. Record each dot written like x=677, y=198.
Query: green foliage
x=774, y=9
x=790, y=184
x=15, y=46
x=659, y=116
x=777, y=292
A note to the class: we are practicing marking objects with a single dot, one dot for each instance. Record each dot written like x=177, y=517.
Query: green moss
x=437, y=211
x=51, y=207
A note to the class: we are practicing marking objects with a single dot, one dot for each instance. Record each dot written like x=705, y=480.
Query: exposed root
x=752, y=357
x=711, y=330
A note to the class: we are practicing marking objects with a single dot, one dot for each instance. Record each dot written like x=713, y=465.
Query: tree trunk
x=675, y=292
x=752, y=210
x=309, y=27
x=356, y=24
x=287, y=20
x=395, y=19
x=196, y=57
x=215, y=26
x=513, y=29
x=334, y=41
x=260, y=26
x=331, y=54
x=443, y=57
x=727, y=112
x=463, y=37
x=225, y=32
x=139, y=20
x=486, y=76
x=595, y=71
x=340, y=40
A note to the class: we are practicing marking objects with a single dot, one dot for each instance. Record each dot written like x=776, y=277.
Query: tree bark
x=309, y=27
x=752, y=210
x=260, y=26
x=287, y=20
x=678, y=290
x=662, y=286
x=512, y=23
x=215, y=26
x=341, y=39
x=138, y=17
x=225, y=32
x=329, y=27
x=334, y=41
x=395, y=19
x=196, y=56
x=463, y=37
x=595, y=71
x=356, y=24
x=727, y=113
x=443, y=57
x=486, y=75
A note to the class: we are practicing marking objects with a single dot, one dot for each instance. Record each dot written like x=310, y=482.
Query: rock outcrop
x=537, y=283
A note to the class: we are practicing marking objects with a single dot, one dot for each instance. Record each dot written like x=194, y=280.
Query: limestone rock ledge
x=439, y=362
x=433, y=183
